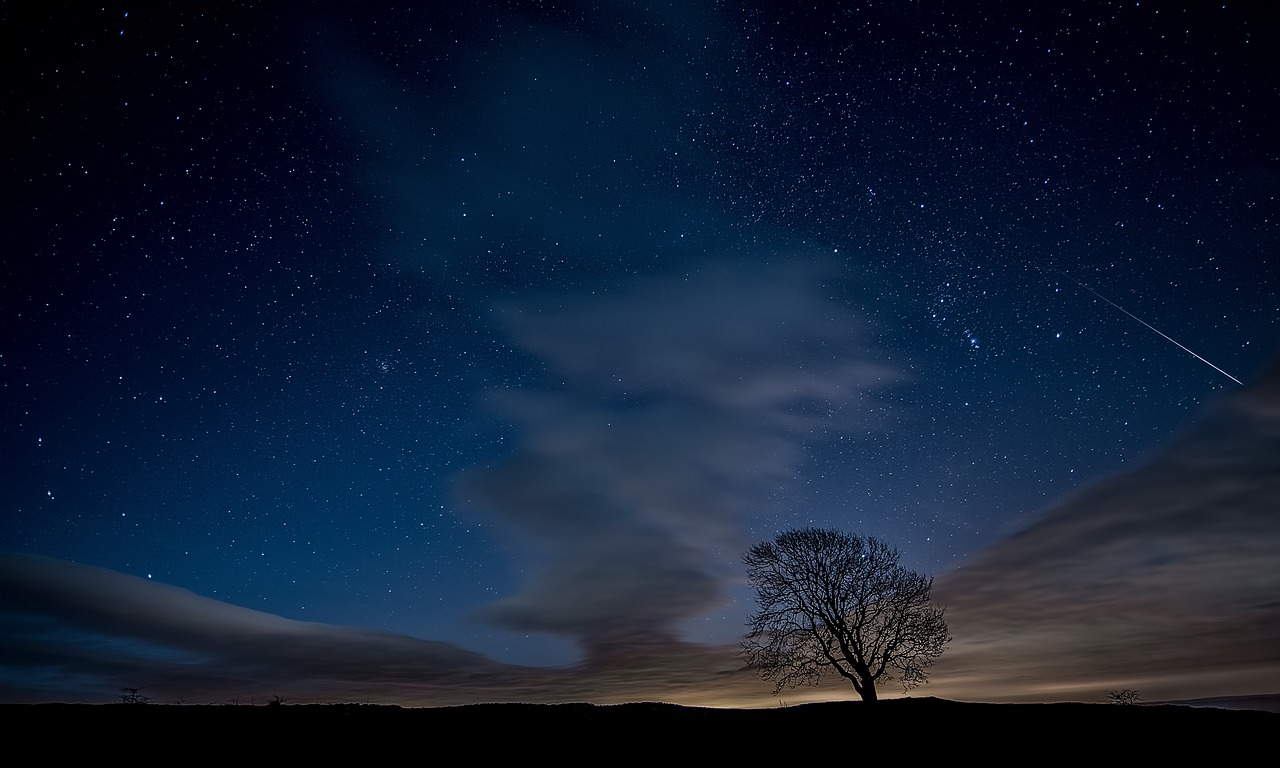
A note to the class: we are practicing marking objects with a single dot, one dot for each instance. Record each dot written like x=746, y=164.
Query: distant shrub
x=132, y=696
x=1123, y=696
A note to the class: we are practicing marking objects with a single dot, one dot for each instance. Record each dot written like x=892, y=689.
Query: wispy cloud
x=1156, y=579
x=73, y=632
x=90, y=628
x=683, y=400
x=527, y=141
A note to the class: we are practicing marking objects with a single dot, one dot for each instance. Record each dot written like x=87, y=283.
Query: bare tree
x=133, y=696
x=836, y=602
x=1126, y=696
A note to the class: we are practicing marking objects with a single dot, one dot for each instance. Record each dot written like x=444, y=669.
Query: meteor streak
x=1144, y=322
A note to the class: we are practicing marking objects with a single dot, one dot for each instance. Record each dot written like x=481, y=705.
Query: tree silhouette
x=835, y=602
x=1125, y=696
x=133, y=696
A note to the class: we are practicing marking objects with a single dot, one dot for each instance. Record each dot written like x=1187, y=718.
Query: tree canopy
x=833, y=602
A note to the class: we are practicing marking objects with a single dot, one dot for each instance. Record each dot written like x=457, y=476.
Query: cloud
x=526, y=137
x=557, y=154
x=70, y=622
x=1162, y=579
x=1154, y=579
x=684, y=399
x=79, y=633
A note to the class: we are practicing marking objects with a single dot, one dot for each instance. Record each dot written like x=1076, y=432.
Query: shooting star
x=1144, y=322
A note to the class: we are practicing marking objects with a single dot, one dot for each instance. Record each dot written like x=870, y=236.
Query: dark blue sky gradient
x=512, y=325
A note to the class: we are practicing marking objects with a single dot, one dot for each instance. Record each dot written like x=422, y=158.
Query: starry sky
x=457, y=352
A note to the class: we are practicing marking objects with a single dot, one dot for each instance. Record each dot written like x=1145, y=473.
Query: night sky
x=457, y=353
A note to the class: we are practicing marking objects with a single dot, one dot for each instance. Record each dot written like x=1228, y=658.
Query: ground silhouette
x=901, y=730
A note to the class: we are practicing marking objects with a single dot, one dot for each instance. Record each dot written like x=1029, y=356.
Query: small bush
x=1125, y=696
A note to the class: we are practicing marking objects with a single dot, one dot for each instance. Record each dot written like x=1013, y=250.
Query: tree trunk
x=867, y=691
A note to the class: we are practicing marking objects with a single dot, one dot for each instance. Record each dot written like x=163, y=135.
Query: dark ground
x=897, y=729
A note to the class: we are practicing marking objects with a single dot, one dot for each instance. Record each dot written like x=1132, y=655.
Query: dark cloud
x=103, y=628
x=684, y=400
x=535, y=141
x=1152, y=580
x=73, y=632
